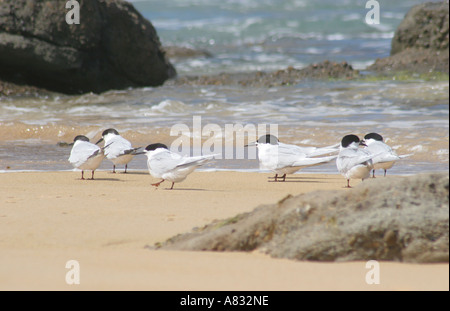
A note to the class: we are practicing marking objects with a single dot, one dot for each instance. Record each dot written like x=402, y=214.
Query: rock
x=397, y=218
x=425, y=26
x=414, y=61
x=289, y=76
x=113, y=47
x=329, y=70
x=421, y=41
x=11, y=89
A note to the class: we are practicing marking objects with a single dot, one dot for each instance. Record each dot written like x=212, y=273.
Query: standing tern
x=117, y=149
x=283, y=159
x=85, y=155
x=354, y=162
x=167, y=165
x=386, y=156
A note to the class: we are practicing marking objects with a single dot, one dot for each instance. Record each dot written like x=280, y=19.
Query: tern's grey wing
x=133, y=151
x=378, y=146
x=385, y=153
x=117, y=146
x=306, y=151
x=294, y=149
x=95, y=153
x=350, y=158
x=164, y=162
x=284, y=156
x=323, y=151
x=280, y=156
x=313, y=161
x=194, y=161
x=333, y=146
x=83, y=151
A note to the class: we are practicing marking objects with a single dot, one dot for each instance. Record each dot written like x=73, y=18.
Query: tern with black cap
x=283, y=159
x=386, y=156
x=85, y=155
x=354, y=162
x=117, y=149
x=167, y=165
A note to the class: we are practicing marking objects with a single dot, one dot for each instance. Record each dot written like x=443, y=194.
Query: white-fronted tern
x=283, y=159
x=386, y=156
x=354, y=162
x=167, y=165
x=85, y=155
x=118, y=150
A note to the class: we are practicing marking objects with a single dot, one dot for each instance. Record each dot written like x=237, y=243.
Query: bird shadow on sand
x=129, y=173
x=298, y=180
x=100, y=179
x=183, y=189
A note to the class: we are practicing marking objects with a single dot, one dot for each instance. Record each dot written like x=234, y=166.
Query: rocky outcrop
x=397, y=218
x=11, y=89
x=421, y=41
x=289, y=76
x=113, y=47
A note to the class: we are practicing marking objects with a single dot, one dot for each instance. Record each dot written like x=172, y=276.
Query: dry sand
x=49, y=218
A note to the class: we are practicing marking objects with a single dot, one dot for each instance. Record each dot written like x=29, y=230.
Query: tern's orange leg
x=158, y=183
x=348, y=184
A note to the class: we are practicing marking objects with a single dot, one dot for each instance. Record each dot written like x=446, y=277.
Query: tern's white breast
x=92, y=163
x=360, y=171
x=384, y=165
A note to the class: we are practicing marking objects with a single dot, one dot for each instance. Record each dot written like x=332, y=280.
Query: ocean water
x=243, y=36
x=247, y=35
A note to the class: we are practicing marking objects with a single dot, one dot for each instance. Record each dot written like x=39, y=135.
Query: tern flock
x=355, y=158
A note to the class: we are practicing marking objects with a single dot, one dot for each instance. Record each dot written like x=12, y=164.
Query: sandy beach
x=49, y=218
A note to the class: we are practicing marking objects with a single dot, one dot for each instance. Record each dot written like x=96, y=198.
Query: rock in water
x=397, y=218
x=424, y=26
x=420, y=43
x=113, y=47
x=290, y=76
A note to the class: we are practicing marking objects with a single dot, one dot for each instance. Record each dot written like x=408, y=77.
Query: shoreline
x=109, y=223
x=220, y=170
x=281, y=77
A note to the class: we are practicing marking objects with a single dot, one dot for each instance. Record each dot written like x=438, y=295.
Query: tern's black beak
x=362, y=143
x=99, y=141
x=250, y=144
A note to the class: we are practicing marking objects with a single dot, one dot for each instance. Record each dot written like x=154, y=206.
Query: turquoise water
x=273, y=34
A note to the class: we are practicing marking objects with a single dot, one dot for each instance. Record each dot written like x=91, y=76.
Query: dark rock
x=425, y=26
x=421, y=41
x=289, y=76
x=329, y=70
x=414, y=61
x=113, y=47
x=398, y=219
x=12, y=89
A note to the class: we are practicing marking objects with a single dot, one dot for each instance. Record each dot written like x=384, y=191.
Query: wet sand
x=107, y=224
